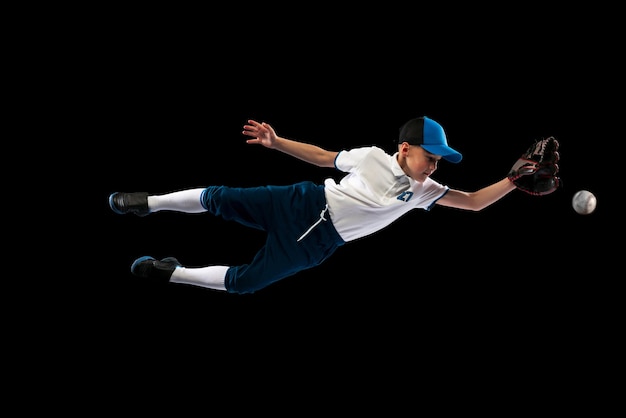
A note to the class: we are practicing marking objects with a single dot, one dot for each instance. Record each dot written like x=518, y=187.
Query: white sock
x=187, y=201
x=211, y=277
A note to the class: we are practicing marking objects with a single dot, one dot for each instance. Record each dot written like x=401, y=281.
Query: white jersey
x=374, y=193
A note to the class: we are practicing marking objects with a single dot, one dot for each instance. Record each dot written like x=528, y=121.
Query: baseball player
x=305, y=223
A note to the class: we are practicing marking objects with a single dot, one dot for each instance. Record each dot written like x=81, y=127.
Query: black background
x=525, y=288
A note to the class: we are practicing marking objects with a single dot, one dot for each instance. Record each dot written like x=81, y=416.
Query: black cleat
x=148, y=267
x=122, y=203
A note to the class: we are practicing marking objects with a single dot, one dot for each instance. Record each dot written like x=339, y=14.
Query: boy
x=306, y=222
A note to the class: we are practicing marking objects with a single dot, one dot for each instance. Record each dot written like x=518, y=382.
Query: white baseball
x=584, y=202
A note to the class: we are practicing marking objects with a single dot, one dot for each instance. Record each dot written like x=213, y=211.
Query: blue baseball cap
x=428, y=134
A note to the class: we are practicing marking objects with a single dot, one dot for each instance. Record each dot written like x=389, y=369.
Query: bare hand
x=262, y=133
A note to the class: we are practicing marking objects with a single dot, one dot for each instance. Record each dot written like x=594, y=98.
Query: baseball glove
x=535, y=172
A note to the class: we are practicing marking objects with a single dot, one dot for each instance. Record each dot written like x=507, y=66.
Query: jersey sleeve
x=348, y=160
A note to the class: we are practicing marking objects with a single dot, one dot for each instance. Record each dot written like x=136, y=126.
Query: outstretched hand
x=261, y=133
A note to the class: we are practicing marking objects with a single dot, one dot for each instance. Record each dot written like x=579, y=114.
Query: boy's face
x=416, y=162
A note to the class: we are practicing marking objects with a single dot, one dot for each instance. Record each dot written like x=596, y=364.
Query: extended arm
x=535, y=173
x=479, y=199
x=264, y=134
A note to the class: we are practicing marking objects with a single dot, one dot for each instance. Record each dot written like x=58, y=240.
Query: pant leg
x=250, y=206
x=285, y=213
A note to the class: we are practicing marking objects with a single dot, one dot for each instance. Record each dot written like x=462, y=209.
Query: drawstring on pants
x=322, y=218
